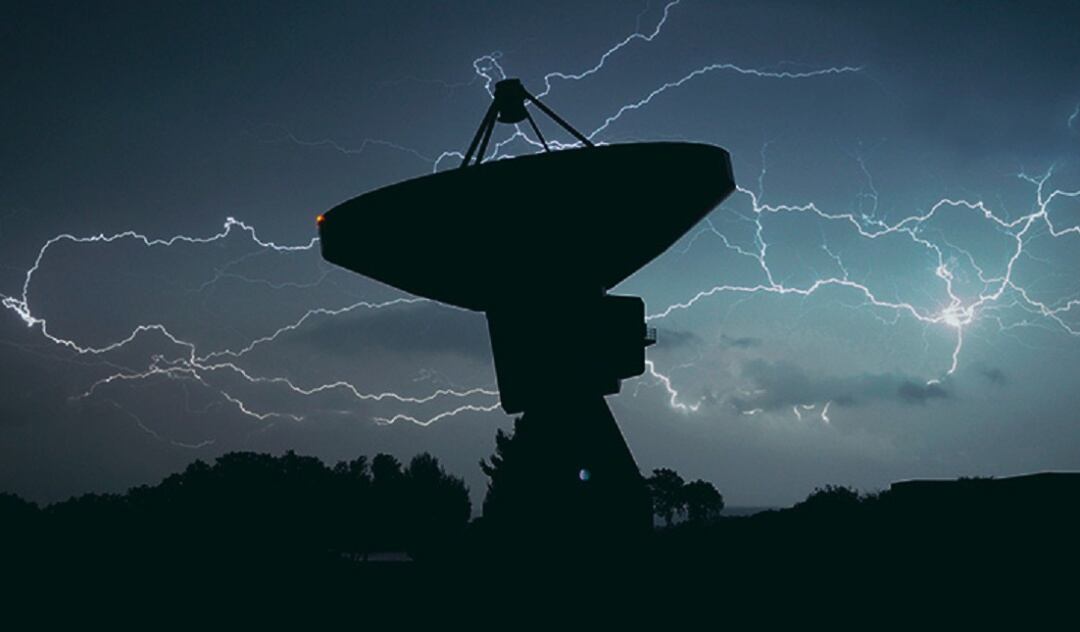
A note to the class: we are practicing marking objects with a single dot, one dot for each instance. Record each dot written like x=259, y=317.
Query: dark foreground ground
x=976, y=535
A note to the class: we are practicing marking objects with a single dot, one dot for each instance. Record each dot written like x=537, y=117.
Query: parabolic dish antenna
x=536, y=242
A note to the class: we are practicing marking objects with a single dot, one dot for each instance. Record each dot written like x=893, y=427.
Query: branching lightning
x=958, y=312
x=183, y=359
x=198, y=367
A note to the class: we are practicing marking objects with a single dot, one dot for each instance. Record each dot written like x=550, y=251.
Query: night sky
x=893, y=292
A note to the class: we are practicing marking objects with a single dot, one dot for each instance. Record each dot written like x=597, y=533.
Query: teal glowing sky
x=892, y=293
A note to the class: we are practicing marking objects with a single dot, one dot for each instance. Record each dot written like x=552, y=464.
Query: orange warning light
x=319, y=220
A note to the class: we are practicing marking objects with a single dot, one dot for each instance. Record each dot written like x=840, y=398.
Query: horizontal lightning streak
x=194, y=366
x=958, y=313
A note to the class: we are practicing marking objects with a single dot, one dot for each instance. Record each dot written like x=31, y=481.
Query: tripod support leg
x=484, y=143
x=558, y=119
x=483, y=131
x=537, y=130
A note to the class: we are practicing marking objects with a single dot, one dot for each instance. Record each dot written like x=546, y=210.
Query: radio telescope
x=536, y=243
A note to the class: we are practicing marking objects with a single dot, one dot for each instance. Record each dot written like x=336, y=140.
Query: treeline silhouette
x=697, y=502
x=249, y=513
x=249, y=510
x=557, y=490
x=961, y=529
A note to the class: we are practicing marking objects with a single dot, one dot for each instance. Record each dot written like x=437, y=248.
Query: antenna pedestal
x=570, y=481
x=492, y=238
x=567, y=485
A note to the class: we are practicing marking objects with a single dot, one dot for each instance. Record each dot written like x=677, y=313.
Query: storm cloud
x=994, y=375
x=424, y=326
x=740, y=342
x=676, y=338
x=781, y=385
x=168, y=118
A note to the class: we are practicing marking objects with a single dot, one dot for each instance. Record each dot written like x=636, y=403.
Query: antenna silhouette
x=508, y=106
x=529, y=264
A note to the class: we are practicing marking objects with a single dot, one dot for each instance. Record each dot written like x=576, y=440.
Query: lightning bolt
x=490, y=69
x=958, y=312
x=198, y=367
x=183, y=359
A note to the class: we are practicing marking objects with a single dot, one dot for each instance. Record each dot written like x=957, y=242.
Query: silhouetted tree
x=559, y=486
x=353, y=530
x=518, y=494
x=501, y=472
x=388, y=503
x=386, y=470
x=703, y=502
x=16, y=511
x=20, y=520
x=832, y=499
x=529, y=484
x=437, y=506
x=253, y=512
x=666, y=489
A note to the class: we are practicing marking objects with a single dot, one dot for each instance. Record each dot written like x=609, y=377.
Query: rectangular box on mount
x=553, y=345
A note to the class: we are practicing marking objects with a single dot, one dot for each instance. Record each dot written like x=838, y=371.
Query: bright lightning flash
x=183, y=359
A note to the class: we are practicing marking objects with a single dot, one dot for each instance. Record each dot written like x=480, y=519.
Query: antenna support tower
x=508, y=105
x=475, y=237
